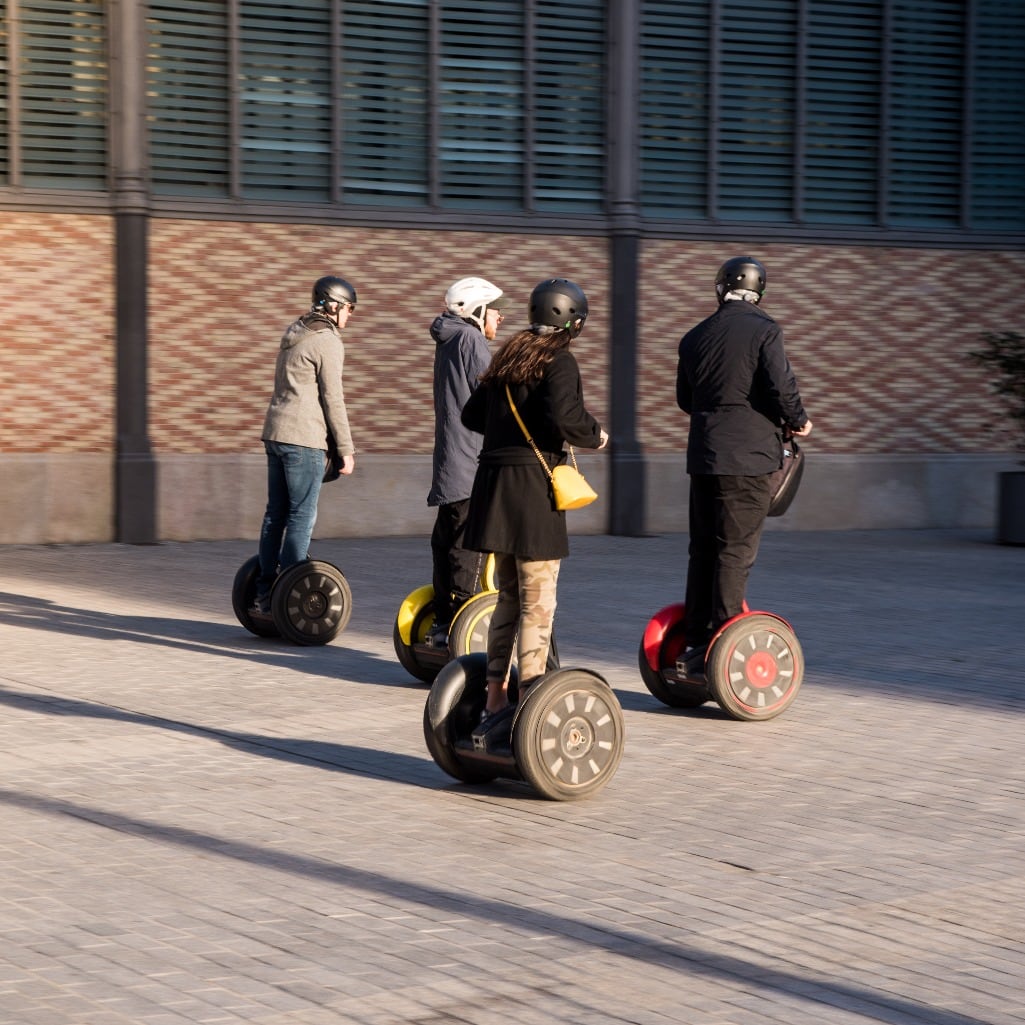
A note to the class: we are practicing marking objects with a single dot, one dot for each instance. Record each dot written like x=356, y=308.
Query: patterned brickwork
x=876, y=336
x=56, y=333
x=221, y=294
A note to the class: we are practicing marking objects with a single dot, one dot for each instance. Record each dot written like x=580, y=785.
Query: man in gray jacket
x=461, y=334
x=306, y=418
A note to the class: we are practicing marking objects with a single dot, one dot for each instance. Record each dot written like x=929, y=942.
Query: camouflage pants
x=523, y=616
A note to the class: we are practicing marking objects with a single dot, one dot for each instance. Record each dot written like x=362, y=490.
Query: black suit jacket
x=735, y=381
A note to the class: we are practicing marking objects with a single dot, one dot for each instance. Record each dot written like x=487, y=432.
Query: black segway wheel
x=755, y=666
x=311, y=602
x=243, y=594
x=453, y=708
x=662, y=644
x=415, y=616
x=568, y=735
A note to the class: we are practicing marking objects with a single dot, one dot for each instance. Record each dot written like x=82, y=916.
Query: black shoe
x=437, y=636
x=260, y=608
x=692, y=662
x=494, y=731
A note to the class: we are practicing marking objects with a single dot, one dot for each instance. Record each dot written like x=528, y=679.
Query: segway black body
x=310, y=602
x=566, y=738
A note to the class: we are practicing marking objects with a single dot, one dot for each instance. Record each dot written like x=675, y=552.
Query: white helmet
x=469, y=298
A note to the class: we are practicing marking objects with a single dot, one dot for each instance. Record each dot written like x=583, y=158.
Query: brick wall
x=222, y=293
x=876, y=336
x=56, y=334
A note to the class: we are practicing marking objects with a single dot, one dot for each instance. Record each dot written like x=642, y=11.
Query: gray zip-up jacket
x=308, y=399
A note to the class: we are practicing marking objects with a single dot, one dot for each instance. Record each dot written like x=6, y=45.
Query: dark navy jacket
x=735, y=381
x=460, y=357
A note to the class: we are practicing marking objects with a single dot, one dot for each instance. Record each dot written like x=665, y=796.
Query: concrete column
x=627, y=512
x=135, y=466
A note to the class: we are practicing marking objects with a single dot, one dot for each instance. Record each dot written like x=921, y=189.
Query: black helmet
x=559, y=303
x=333, y=290
x=742, y=272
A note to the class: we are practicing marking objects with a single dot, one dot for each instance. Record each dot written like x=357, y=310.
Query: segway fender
x=412, y=604
x=743, y=615
x=655, y=632
x=450, y=683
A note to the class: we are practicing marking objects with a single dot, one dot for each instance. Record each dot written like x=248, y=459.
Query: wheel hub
x=576, y=739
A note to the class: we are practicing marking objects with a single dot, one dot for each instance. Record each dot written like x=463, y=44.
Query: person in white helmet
x=473, y=311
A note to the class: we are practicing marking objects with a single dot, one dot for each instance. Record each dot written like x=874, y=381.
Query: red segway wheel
x=755, y=666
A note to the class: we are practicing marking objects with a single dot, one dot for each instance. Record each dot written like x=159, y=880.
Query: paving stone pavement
x=200, y=826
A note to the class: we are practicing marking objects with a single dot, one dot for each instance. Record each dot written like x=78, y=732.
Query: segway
x=566, y=739
x=467, y=633
x=310, y=602
x=753, y=666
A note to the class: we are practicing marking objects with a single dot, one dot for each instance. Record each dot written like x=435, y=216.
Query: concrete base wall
x=57, y=499
x=847, y=492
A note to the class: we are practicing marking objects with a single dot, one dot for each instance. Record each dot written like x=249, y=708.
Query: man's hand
x=804, y=430
x=604, y=435
x=348, y=465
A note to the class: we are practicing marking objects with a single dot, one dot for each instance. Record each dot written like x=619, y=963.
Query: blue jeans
x=294, y=476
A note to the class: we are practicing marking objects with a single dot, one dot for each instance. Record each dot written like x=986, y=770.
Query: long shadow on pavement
x=816, y=989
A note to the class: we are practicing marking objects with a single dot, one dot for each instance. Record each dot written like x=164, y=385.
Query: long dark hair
x=524, y=357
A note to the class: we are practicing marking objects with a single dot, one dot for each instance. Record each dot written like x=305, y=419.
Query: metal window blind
x=925, y=113
x=756, y=110
x=674, y=56
x=569, y=108
x=997, y=197
x=63, y=93
x=481, y=105
x=187, y=79
x=284, y=99
x=843, y=96
x=385, y=98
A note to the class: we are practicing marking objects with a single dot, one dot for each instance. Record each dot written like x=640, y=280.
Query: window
x=925, y=114
x=481, y=100
x=568, y=48
x=385, y=102
x=675, y=49
x=187, y=83
x=842, y=113
x=757, y=104
x=55, y=131
x=997, y=139
x=285, y=100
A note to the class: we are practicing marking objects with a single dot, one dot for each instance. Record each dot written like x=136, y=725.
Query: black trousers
x=456, y=569
x=727, y=515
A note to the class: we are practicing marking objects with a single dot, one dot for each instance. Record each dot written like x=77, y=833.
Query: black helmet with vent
x=331, y=289
x=559, y=303
x=742, y=273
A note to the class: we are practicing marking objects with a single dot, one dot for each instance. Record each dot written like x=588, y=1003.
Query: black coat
x=735, y=381
x=511, y=507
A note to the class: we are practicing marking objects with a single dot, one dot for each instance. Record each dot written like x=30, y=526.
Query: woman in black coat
x=512, y=510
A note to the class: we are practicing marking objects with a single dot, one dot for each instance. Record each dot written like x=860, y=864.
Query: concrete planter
x=1011, y=507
